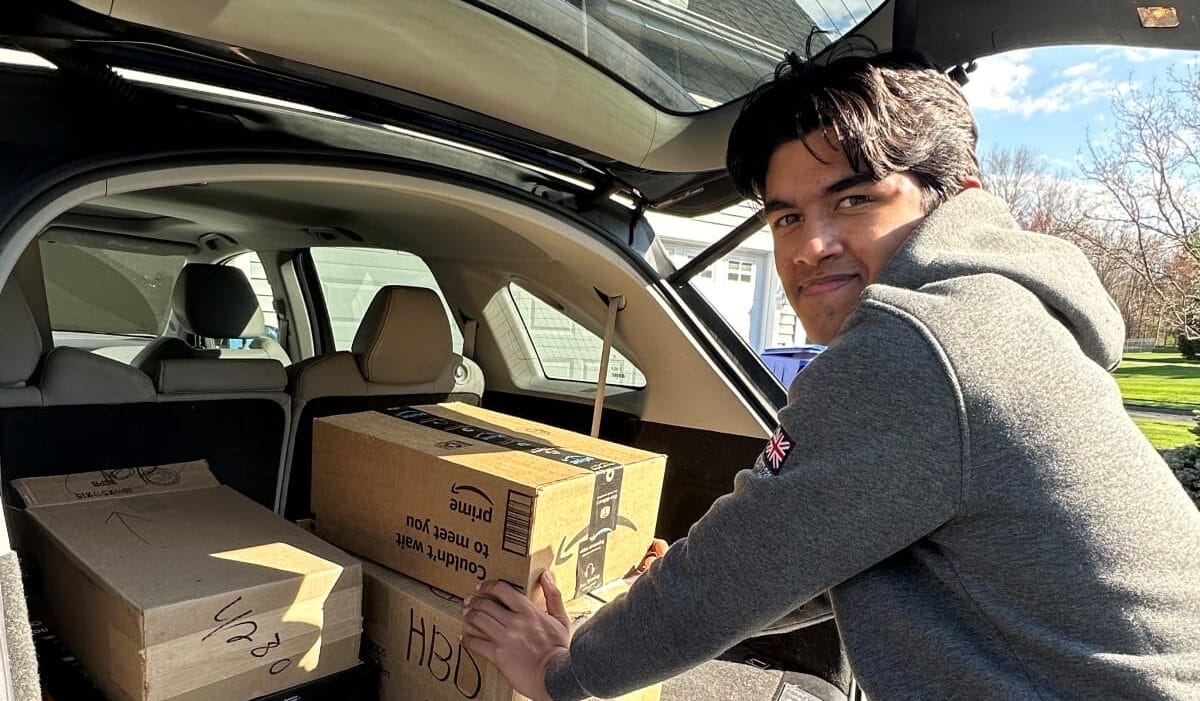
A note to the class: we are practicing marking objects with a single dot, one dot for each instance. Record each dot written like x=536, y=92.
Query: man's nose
x=817, y=244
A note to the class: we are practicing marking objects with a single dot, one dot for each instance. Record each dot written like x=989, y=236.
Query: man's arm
x=873, y=447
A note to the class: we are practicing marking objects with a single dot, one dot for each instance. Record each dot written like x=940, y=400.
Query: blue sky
x=1049, y=99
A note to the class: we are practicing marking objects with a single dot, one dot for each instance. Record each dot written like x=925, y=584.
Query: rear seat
x=400, y=355
x=20, y=350
x=84, y=412
x=212, y=302
x=68, y=375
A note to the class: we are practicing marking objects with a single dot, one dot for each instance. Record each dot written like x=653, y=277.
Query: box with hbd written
x=453, y=495
x=168, y=586
x=411, y=636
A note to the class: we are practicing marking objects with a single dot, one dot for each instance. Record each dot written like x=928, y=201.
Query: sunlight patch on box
x=319, y=578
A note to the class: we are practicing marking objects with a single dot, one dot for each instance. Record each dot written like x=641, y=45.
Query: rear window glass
x=98, y=290
x=350, y=277
x=689, y=55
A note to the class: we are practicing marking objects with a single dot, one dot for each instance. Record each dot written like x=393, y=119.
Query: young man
x=957, y=468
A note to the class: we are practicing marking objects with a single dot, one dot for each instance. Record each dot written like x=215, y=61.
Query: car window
x=103, y=291
x=250, y=263
x=742, y=285
x=567, y=350
x=350, y=277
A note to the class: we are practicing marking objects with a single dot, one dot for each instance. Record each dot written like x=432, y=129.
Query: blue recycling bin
x=784, y=363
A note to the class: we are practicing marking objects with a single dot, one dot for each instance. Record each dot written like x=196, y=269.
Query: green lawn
x=1166, y=434
x=1160, y=379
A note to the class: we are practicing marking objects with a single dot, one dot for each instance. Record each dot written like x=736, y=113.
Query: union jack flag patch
x=772, y=456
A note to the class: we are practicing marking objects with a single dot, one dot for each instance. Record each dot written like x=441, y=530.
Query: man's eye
x=787, y=220
x=853, y=201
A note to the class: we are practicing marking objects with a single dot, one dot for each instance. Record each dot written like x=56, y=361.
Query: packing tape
x=606, y=506
x=504, y=440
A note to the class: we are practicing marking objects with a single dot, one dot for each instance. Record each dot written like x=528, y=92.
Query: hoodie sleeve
x=868, y=459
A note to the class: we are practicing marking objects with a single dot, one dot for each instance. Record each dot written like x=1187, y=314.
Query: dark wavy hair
x=889, y=112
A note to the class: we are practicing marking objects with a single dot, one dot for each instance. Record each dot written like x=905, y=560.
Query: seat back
x=212, y=302
x=239, y=438
x=82, y=412
x=241, y=418
x=401, y=355
x=20, y=349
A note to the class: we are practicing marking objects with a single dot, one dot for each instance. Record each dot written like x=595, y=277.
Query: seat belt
x=615, y=303
x=282, y=328
x=470, y=327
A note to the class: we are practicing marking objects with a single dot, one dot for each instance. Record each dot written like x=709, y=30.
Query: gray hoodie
x=958, y=470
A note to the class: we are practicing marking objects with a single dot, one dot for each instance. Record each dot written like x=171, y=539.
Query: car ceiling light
x=1158, y=17
x=191, y=85
x=16, y=57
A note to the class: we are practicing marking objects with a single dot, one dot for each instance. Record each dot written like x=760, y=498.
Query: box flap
x=565, y=440
x=114, y=484
x=164, y=548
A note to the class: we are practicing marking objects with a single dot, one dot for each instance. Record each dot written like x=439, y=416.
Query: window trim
x=314, y=302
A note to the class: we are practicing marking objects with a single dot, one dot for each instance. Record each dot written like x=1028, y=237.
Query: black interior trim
x=242, y=440
x=615, y=425
x=700, y=469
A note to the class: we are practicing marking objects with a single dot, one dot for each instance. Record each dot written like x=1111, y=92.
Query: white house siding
x=742, y=286
x=250, y=264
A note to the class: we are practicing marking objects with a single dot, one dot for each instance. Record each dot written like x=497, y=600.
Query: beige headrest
x=75, y=376
x=20, y=339
x=404, y=338
x=216, y=301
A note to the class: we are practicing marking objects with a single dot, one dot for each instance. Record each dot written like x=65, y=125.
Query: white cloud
x=1143, y=55
x=999, y=83
x=1004, y=84
x=1126, y=87
x=1080, y=69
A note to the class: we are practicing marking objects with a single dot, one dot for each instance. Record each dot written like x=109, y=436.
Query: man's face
x=834, y=229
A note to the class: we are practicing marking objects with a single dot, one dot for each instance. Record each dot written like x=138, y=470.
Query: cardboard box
x=167, y=585
x=453, y=495
x=64, y=679
x=412, y=634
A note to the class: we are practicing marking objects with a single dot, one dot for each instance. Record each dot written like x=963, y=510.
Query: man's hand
x=658, y=548
x=521, y=639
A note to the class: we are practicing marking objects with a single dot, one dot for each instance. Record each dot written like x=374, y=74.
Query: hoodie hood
x=974, y=234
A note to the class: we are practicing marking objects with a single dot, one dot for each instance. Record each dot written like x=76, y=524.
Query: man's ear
x=971, y=182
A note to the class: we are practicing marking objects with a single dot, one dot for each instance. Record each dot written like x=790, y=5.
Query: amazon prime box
x=453, y=495
x=168, y=586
